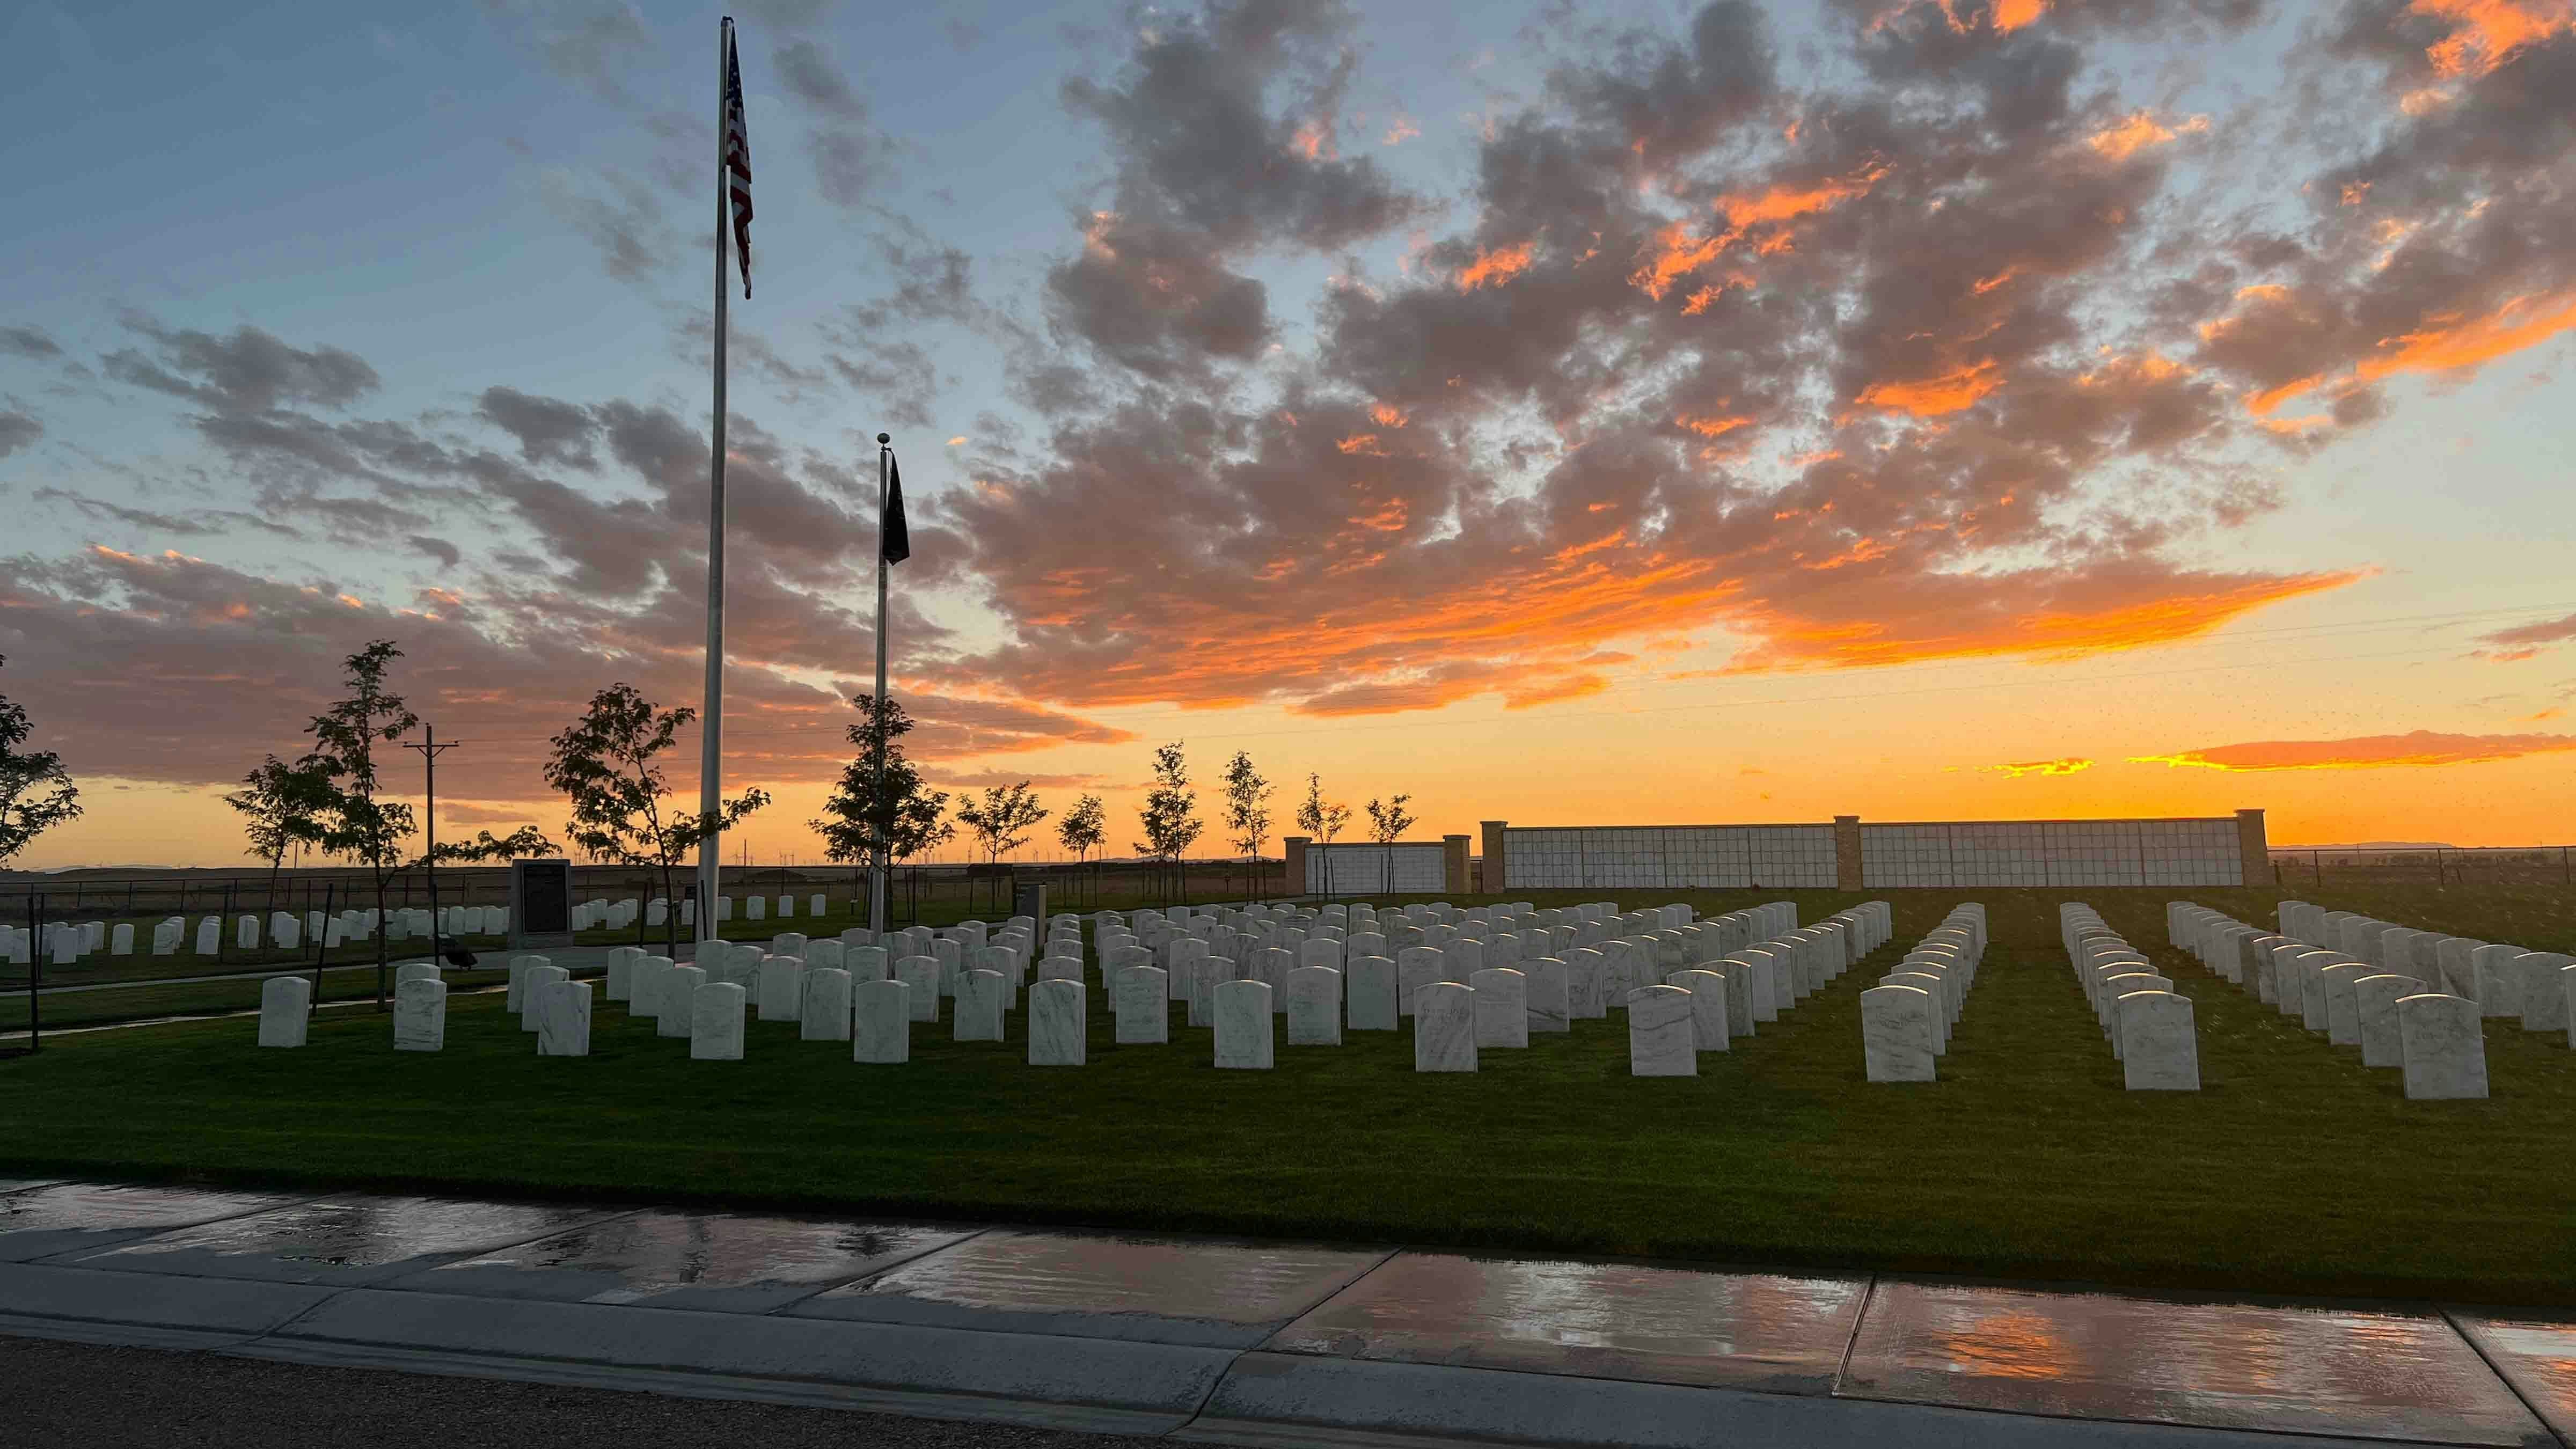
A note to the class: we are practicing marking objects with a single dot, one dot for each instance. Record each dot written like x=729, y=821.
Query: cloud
x=2422, y=747
x=547, y=431
x=174, y=525
x=848, y=149
x=617, y=214
x=2525, y=641
x=18, y=430
x=2067, y=765
x=250, y=371
x=29, y=342
x=440, y=549
x=590, y=44
x=253, y=658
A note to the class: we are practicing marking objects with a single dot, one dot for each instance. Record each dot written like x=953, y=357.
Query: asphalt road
x=90, y=1395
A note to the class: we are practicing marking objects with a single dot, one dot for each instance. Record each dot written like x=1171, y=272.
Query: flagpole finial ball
x=885, y=437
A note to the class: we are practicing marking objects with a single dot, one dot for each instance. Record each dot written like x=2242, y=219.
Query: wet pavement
x=2296, y=1369
x=1596, y=1320
x=722, y=1262
x=343, y=1239
x=73, y=1216
x=1138, y=1333
x=2538, y=1357
x=1104, y=1285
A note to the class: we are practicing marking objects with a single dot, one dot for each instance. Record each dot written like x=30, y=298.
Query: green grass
x=2295, y=1170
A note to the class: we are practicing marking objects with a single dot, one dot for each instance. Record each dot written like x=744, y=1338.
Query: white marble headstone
x=716, y=1020
x=2159, y=1051
x=1370, y=986
x=981, y=999
x=881, y=1021
x=563, y=1017
x=2443, y=1042
x=1501, y=1007
x=420, y=1014
x=1242, y=1013
x=675, y=1014
x=531, y=981
x=826, y=1012
x=1707, y=990
x=1660, y=1038
x=1141, y=996
x=1444, y=1028
x=1058, y=1036
x=923, y=974
x=285, y=1009
x=1314, y=1006
x=1896, y=1032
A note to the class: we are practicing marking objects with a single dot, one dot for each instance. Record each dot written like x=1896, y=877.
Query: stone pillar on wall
x=1453, y=864
x=1847, y=852
x=1497, y=876
x=1294, y=847
x=2255, y=849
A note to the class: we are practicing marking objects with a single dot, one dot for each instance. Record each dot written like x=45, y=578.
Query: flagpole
x=884, y=742
x=711, y=733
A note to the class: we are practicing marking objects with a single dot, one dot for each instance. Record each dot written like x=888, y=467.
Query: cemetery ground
x=2295, y=1170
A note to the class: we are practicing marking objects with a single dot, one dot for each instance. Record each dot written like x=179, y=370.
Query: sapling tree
x=605, y=765
x=36, y=793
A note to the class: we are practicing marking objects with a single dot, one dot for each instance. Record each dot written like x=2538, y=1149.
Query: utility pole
x=430, y=749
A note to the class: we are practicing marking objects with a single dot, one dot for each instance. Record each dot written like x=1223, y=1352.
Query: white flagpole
x=711, y=721
x=885, y=747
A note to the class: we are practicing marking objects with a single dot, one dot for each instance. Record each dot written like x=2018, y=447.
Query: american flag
x=738, y=159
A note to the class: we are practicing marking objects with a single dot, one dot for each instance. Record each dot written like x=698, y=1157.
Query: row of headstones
x=65, y=942
x=2150, y=1025
x=1236, y=933
x=754, y=908
x=2397, y=1018
x=2505, y=980
x=1460, y=951
x=1494, y=1009
x=1905, y=1019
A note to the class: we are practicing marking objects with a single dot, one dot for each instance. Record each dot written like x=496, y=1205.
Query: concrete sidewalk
x=1257, y=1343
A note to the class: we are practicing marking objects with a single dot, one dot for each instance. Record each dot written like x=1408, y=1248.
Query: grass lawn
x=2295, y=1170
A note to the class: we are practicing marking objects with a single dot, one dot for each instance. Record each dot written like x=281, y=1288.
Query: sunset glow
x=1947, y=409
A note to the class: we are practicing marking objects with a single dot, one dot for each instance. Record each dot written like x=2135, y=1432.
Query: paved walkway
x=1259, y=1343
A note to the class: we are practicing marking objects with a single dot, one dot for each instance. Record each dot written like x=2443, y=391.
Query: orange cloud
x=2179, y=611
x=2422, y=747
x=1495, y=267
x=1387, y=416
x=1362, y=443
x=1399, y=131
x=2138, y=132
x=1933, y=396
x=1676, y=255
x=1575, y=687
x=2453, y=345
x=2006, y=15
x=2448, y=343
x=2486, y=33
x=1313, y=139
x=1712, y=427
x=2068, y=765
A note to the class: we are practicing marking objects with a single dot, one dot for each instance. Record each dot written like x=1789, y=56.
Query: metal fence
x=2434, y=864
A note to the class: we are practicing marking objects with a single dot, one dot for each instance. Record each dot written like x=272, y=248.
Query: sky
x=1604, y=414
